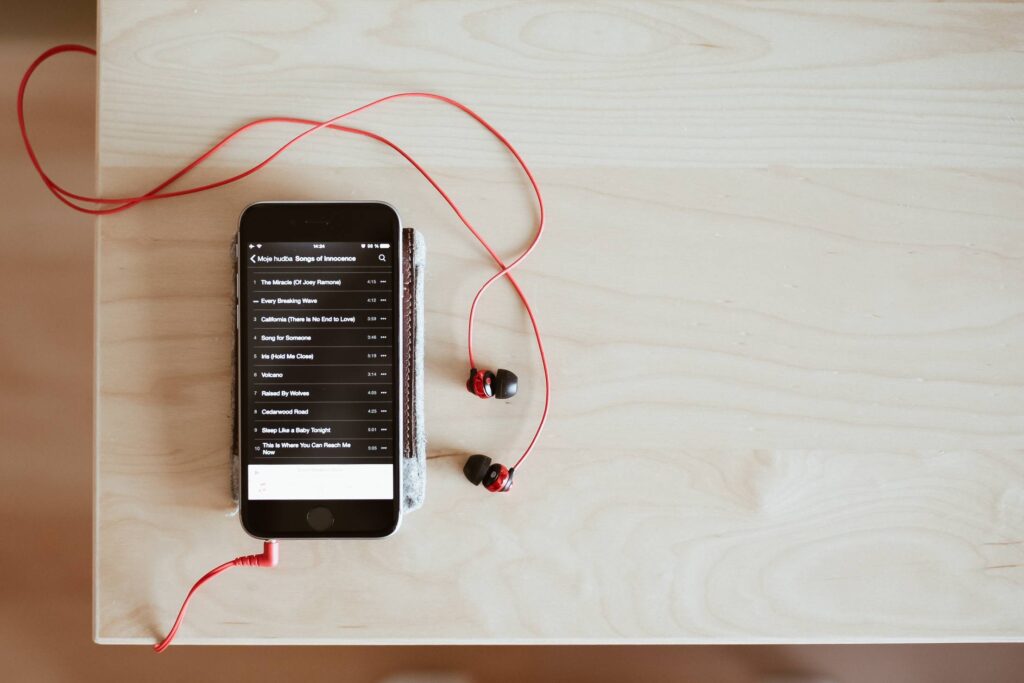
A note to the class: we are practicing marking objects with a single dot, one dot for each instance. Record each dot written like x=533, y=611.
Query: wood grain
x=785, y=338
x=606, y=84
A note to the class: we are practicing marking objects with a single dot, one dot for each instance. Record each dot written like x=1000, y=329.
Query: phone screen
x=320, y=380
x=318, y=319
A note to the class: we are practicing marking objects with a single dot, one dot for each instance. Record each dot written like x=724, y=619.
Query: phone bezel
x=320, y=221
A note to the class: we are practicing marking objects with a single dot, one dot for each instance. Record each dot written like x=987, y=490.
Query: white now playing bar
x=321, y=482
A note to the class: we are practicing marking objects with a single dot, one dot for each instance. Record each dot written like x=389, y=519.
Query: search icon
x=381, y=257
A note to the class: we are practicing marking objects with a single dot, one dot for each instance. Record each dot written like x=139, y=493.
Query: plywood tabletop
x=782, y=292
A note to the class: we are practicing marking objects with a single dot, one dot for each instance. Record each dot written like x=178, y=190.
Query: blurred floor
x=46, y=257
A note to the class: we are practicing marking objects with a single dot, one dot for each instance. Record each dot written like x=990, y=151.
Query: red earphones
x=478, y=468
x=483, y=383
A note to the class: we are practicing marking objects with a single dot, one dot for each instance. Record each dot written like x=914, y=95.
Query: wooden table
x=782, y=292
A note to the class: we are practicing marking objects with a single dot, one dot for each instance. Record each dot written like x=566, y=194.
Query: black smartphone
x=319, y=369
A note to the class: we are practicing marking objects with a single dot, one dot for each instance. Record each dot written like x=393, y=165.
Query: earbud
x=495, y=477
x=485, y=384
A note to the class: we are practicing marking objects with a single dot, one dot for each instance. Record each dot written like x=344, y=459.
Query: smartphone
x=319, y=372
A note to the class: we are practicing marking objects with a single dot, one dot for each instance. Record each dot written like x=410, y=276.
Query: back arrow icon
x=253, y=258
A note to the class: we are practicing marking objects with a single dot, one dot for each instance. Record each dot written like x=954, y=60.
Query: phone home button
x=320, y=519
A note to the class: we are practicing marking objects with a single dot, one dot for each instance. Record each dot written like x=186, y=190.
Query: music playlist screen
x=320, y=349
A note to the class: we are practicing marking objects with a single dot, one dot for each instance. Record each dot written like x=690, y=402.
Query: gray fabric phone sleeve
x=414, y=438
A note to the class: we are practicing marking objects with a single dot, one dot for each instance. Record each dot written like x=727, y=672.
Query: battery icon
x=385, y=246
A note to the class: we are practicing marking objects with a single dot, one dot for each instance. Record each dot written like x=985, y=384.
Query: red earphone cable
x=267, y=559
x=123, y=203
